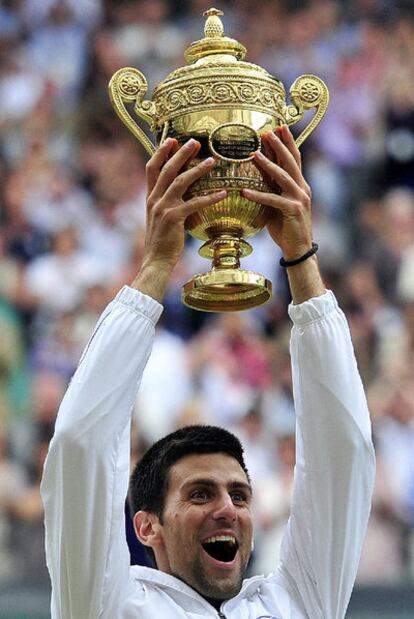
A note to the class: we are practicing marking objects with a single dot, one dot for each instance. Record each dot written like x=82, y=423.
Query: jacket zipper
x=221, y=615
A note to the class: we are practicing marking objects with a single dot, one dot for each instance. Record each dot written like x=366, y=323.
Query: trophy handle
x=129, y=85
x=306, y=92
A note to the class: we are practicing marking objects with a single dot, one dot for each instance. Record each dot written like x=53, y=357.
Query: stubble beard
x=216, y=588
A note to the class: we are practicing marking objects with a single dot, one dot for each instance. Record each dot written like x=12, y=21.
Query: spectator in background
x=389, y=239
x=28, y=521
x=392, y=401
x=397, y=89
x=276, y=402
x=257, y=444
x=165, y=387
x=230, y=366
x=67, y=270
x=383, y=551
x=20, y=91
x=273, y=499
x=23, y=241
x=34, y=13
x=56, y=50
x=12, y=484
x=94, y=301
x=375, y=323
x=146, y=38
x=13, y=384
x=13, y=366
x=58, y=350
x=58, y=203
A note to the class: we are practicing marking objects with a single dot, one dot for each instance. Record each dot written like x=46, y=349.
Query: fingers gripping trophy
x=226, y=104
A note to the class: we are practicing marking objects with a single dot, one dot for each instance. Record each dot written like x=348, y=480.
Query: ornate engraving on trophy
x=172, y=101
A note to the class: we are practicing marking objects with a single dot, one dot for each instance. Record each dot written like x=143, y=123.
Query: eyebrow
x=232, y=485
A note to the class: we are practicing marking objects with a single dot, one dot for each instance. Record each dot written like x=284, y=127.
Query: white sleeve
x=86, y=472
x=335, y=462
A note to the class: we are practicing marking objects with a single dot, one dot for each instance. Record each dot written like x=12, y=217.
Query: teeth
x=220, y=538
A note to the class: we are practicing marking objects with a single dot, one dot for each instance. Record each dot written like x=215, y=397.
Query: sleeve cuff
x=313, y=309
x=140, y=302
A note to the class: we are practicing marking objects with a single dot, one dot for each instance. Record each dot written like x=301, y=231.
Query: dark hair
x=149, y=480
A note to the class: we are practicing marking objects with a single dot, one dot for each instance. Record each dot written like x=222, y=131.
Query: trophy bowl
x=225, y=104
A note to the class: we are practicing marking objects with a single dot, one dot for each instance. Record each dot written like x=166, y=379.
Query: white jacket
x=87, y=469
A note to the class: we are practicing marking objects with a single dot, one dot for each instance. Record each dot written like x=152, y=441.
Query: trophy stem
x=225, y=249
x=226, y=252
x=226, y=288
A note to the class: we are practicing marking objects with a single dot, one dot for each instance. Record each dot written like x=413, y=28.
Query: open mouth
x=221, y=547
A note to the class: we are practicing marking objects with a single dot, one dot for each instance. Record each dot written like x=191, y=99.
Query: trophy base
x=226, y=290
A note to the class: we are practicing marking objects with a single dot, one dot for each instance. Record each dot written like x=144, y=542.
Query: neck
x=214, y=602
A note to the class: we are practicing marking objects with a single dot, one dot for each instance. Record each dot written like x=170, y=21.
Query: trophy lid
x=214, y=41
x=216, y=77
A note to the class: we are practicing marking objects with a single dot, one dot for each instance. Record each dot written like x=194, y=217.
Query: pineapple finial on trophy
x=214, y=41
x=214, y=26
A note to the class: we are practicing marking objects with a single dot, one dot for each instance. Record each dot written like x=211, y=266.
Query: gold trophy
x=225, y=104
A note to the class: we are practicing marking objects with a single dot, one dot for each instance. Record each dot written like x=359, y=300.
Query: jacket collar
x=177, y=588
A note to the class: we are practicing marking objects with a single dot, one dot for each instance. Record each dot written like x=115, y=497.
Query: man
x=198, y=524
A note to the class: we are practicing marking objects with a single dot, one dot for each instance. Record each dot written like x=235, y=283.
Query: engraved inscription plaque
x=234, y=142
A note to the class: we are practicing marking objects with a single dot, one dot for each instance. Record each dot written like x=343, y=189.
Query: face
x=206, y=530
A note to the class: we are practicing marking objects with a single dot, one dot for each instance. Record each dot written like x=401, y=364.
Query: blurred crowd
x=72, y=228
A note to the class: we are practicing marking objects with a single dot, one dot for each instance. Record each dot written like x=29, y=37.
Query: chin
x=212, y=579
x=219, y=593
x=217, y=587
x=227, y=593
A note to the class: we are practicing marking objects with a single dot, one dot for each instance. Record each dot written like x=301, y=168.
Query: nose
x=225, y=509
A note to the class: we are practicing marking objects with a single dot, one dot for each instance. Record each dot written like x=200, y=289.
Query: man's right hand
x=168, y=179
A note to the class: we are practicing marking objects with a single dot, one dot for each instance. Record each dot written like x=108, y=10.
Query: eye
x=239, y=497
x=199, y=496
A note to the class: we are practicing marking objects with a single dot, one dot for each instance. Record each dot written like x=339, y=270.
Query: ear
x=148, y=529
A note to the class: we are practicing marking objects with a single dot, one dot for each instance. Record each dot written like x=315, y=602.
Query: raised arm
x=334, y=470
x=87, y=469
